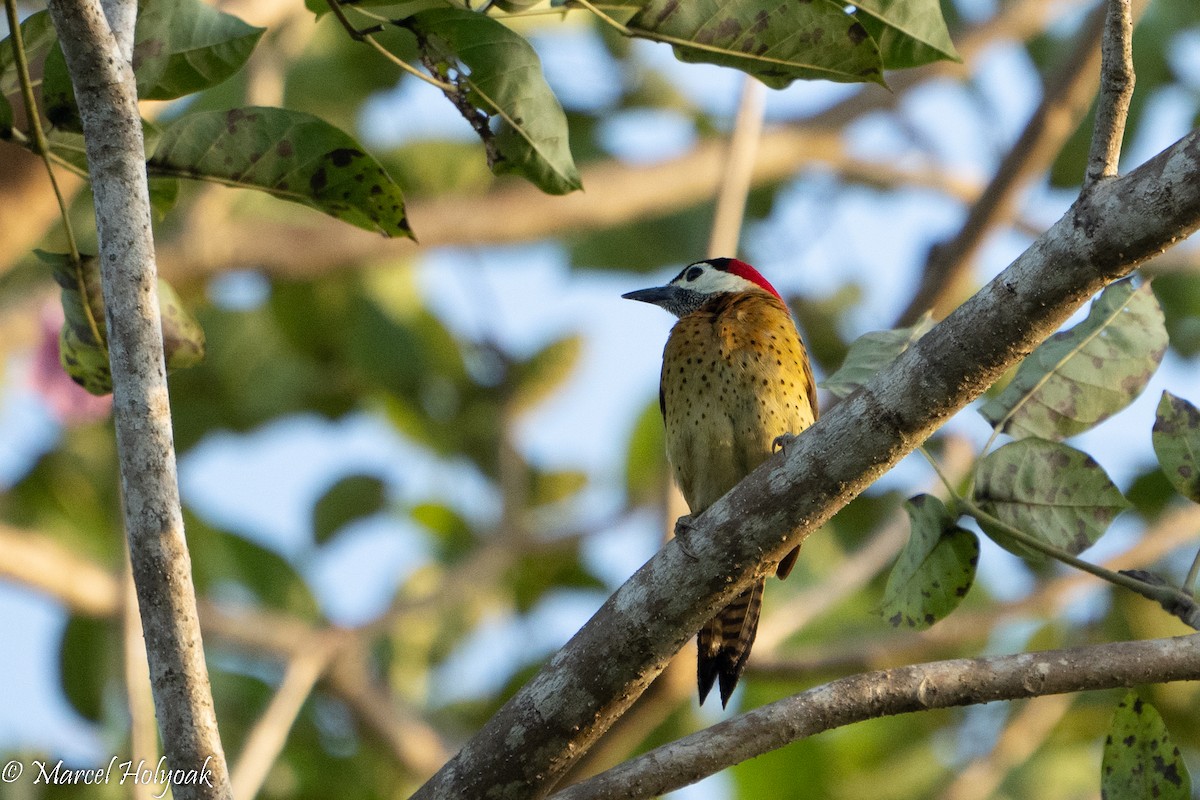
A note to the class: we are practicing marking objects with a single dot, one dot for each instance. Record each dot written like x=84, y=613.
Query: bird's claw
x=782, y=442
x=682, y=526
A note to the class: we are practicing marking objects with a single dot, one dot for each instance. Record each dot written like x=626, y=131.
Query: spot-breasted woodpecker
x=735, y=379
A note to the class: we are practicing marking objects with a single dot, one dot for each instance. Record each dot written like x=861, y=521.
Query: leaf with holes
x=1140, y=760
x=499, y=76
x=909, y=32
x=1176, y=439
x=870, y=353
x=288, y=154
x=775, y=42
x=1049, y=491
x=1084, y=375
x=935, y=569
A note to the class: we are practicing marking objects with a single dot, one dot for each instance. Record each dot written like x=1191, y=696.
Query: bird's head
x=697, y=283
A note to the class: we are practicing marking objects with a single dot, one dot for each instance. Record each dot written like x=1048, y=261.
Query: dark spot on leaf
x=667, y=10
x=857, y=33
x=318, y=181
x=232, y=118
x=728, y=28
x=284, y=149
x=343, y=156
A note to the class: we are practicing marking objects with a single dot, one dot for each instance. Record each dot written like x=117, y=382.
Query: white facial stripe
x=712, y=280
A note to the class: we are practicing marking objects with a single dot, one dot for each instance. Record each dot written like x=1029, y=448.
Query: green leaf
x=1179, y=295
x=452, y=533
x=352, y=497
x=183, y=338
x=87, y=656
x=37, y=34
x=83, y=340
x=288, y=154
x=872, y=352
x=184, y=46
x=58, y=95
x=646, y=462
x=552, y=567
x=164, y=193
x=1176, y=439
x=552, y=487
x=498, y=73
x=935, y=569
x=180, y=47
x=1084, y=375
x=775, y=42
x=222, y=559
x=537, y=378
x=909, y=32
x=1049, y=491
x=1140, y=760
x=6, y=118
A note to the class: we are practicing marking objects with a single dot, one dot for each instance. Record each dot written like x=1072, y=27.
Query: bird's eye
x=693, y=273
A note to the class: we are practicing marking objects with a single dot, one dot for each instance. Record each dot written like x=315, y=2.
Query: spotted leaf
x=935, y=569
x=1176, y=439
x=775, y=42
x=1084, y=375
x=288, y=154
x=498, y=76
x=1048, y=490
x=83, y=339
x=1140, y=760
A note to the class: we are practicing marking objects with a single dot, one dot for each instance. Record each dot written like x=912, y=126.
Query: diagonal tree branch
x=941, y=684
x=610, y=661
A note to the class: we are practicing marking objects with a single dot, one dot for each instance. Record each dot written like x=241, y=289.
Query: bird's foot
x=683, y=527
x=783, y=442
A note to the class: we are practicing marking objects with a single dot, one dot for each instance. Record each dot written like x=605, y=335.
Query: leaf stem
x=605, y=18
x=1189, y=583
x=1170, y=598
x=40, y=145
x=365, y=36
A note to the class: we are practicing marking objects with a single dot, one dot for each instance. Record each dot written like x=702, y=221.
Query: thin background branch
x=1116, y=91
x=1065, y=102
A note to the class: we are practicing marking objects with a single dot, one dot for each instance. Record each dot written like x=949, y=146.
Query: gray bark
x=107, y=97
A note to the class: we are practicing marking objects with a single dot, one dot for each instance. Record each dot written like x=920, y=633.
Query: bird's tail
x=724, y=643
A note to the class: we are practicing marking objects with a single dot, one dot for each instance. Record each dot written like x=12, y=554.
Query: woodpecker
x=735, y=384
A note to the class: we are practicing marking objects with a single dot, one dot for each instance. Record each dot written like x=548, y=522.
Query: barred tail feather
x=724, y=643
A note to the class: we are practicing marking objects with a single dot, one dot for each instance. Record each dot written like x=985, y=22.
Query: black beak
x=658, y=295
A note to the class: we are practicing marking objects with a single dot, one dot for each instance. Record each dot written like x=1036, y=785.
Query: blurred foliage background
x=411, y=471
